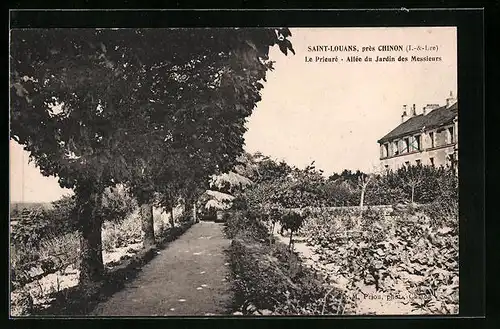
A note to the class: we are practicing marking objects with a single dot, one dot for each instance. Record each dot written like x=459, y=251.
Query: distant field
x=19, y=206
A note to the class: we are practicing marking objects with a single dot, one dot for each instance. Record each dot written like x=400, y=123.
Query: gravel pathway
x=189, y=277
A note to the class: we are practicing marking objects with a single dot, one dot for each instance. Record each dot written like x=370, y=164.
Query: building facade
x=428, y=138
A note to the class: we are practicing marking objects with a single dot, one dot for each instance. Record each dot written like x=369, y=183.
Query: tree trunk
x=172, y=222
x=361, y=204
x=291, y=241
x=195, y=219
x=412, y=193
x=147, y=224
x=271, y=233
x=90, y=226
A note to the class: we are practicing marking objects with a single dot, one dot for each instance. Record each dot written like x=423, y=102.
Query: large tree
x=89, y=105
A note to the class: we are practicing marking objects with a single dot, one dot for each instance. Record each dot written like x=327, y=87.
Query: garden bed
x=404, y=264
x=59, y=294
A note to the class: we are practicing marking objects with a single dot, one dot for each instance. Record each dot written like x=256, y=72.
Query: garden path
x=189, y=277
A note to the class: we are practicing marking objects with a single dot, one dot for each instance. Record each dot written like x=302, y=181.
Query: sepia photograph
x=234, y=171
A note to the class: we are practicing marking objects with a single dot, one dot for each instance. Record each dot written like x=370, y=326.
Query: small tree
x=168, y=198
x=292, y=220
x=412, y=177
x=273, y=218
x=363, y=182
x=190, y=193
x=337, y=193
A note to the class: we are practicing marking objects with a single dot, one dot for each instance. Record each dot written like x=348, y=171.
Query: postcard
x=234, y=171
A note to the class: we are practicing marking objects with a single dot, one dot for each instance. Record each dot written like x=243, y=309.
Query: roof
x=217, y=205
x=436, y=118
x=218, y=200
x=234, y=179
x=219, y=196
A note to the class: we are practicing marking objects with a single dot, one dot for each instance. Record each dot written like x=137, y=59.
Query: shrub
x=62, y=216
x=62, y=248
x=117, y=204
x=30, y=230
x=245, y=224
x=443, y=212
x=240, y=202
x=185, y=217
x=55, y=223
x=226, y=216
x=253, y=277
x=272, y=278
x=119, y=234
x=291, y=220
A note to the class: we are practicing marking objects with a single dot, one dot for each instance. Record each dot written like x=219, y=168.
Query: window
x=449, y=161
x=418, y=162
x=395, y=148
x=451, y=135
x=416, y=143
x=384, y=150
x=431, y=137
x=406, y=145
x=431, y=160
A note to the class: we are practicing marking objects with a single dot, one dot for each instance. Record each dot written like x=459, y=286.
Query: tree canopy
x=83, y=100
x=156, y=109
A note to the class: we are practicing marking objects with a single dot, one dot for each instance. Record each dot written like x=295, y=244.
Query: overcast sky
x=332, y=113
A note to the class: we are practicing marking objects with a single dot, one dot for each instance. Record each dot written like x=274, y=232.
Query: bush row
x=269, y=277
x=61, y=217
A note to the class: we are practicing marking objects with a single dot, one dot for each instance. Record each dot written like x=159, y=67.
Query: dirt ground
x=189, y=277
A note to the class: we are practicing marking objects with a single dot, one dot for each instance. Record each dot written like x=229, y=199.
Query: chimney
x=450, y=100
x=413, y=111
x=429, y=107
x=404, y=116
